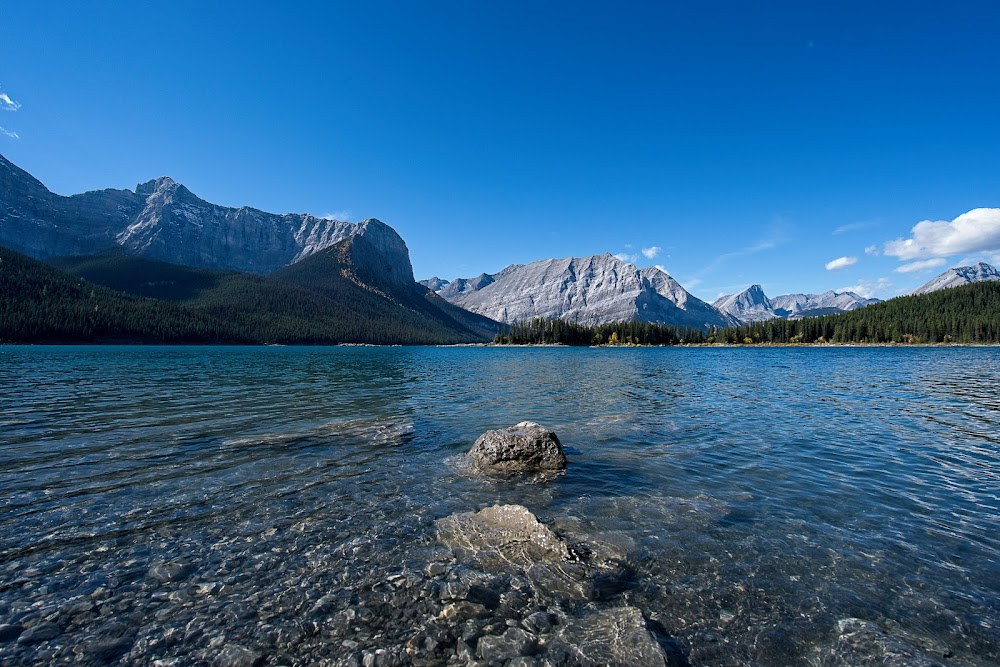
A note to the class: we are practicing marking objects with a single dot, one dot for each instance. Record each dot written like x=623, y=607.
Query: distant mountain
x=752, y=305
x=963, y=275
x=433, y=284
x=965, y=314
x=162, y=220
x=588, y=290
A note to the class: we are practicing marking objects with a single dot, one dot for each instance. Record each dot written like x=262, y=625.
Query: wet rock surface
x=523, y=448
x=555, y=593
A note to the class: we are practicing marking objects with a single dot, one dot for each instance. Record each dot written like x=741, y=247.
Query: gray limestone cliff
x=163, y=220
x=589, y=291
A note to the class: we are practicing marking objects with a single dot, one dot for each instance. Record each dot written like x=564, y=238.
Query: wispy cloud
x=922, y=265
x=841, y=263
x=343, y=216
x=651, y=252
x=855, y=226
x=868, y=288
x=872, y=250
x=760, y=246
x=625, y=257
x=977, y=231
x=661, y=268
x=8, y=104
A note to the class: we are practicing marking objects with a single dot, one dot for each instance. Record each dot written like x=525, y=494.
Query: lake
x=277, y=505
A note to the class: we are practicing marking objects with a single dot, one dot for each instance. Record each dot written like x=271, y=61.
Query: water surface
x=767, y=495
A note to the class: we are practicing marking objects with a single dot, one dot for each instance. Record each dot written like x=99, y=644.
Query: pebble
x=9, y=632
x=37, y=634
x=232, y=655
x=174, y=570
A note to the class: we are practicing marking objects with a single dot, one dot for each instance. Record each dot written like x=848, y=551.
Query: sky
x=803, y=146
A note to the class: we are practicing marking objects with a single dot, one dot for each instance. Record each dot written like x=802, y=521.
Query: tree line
x=969, y=314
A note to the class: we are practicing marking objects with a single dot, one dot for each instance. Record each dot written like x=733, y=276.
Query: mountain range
x=361, y=271
x=587, y=291
x=752, y=305
x=160, y=219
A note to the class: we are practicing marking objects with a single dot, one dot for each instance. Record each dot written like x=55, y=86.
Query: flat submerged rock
x=506, y=555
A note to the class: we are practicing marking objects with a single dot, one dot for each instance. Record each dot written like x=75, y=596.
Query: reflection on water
x=766, y=497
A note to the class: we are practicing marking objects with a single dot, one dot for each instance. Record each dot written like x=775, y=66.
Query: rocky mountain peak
x=962, y=275
x=379, y=248
x=750, y=305
x=156, y=185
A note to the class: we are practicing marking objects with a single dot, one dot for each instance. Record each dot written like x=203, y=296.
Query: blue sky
x=736, y=143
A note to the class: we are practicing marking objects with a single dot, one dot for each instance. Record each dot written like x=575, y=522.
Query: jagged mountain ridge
x=588, y=290
x=752, y=305
x=161, y=220
x=958, y=276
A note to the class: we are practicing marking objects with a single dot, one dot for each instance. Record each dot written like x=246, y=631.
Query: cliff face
x=588, y=290
x=161, y=220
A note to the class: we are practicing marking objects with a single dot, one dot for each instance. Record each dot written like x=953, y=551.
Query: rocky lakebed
x=488, y=586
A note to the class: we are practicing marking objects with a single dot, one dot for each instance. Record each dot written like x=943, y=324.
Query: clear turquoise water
x=768, y=493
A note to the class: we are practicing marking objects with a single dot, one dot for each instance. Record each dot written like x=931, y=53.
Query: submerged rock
x=502, y=534
x=37, y=634
x=233, y=655
x=613, y=637
x=864, y=643
x=174, y=570
x=524, y=447
x=510, y=538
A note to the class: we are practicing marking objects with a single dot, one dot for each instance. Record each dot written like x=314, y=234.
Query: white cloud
x=343, y=216
x=975, y=231
x=651, y=252
x=625, y=257
x=662, y=268
x=922, y=265
x=8, y=104
x=868, y=288
x=872, y=250
x=841, y=263
x=8, y=133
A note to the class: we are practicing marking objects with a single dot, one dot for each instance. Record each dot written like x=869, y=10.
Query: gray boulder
x=524, y=447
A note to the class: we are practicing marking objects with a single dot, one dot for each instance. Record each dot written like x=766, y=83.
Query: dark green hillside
x=967, y=314
x=382, y=308
x=323, y=299
x=39, y=303
x=141, y=276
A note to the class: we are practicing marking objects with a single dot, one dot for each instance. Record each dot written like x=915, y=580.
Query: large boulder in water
x=524, y=447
